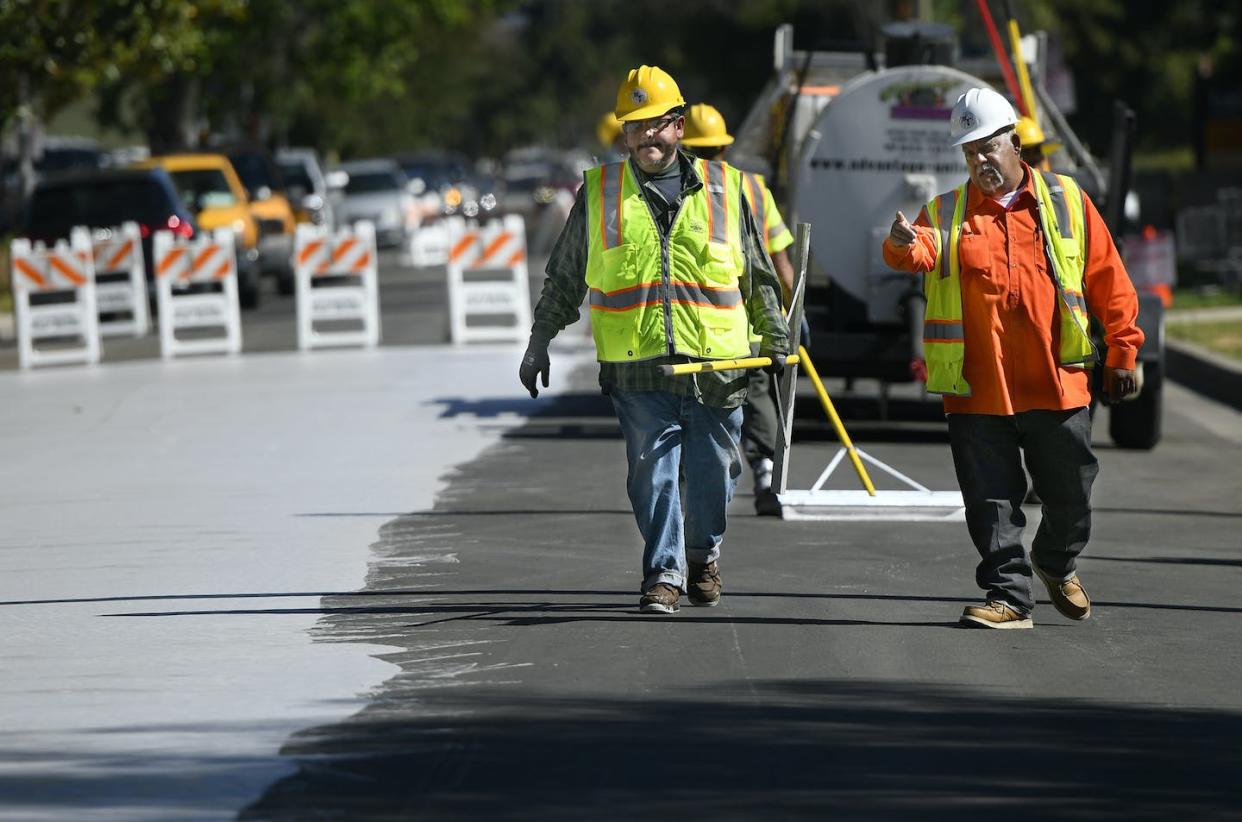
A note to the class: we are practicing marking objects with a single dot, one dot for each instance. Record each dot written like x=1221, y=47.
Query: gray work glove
x=777, y=365
x=535, y=362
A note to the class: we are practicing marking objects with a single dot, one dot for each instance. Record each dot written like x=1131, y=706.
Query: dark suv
x=105, y=199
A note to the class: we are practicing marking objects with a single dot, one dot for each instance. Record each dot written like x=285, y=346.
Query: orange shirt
x=1009, y=305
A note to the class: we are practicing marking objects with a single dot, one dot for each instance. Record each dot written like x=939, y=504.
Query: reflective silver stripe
x=717, y=298
x=778, y=229
x=942, y=332
x=611, y=177
x=946, y=204
x=629, y=298
x=650, y=293
x=1057, y=194
x=714, y=180
x=1075, y=301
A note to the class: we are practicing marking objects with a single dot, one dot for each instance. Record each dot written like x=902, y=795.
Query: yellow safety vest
x=1063, y=223
x=776, y=236
x=652, y=296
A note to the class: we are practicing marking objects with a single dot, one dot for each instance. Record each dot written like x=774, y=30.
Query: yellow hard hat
x=648, y=91
x=1029, y=132
x=607, y=129
x=705, y=127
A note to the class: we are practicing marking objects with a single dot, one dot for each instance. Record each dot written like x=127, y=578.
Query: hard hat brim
x=978, y=134
x=649, y=111
x=707, y=142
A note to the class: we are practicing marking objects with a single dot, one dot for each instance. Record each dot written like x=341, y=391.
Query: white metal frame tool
x=917, y=504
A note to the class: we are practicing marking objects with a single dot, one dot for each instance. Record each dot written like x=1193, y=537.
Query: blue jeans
x=988, y=452
x=662, y=432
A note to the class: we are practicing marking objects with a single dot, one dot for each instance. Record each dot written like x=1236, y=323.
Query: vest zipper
x=666, y=305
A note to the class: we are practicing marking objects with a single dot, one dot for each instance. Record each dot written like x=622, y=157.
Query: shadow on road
x=484, y=604
x=767, y=750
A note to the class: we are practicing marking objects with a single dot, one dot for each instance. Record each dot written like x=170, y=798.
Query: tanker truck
x=850, y=138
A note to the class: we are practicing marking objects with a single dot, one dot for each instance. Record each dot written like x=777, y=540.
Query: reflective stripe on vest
x=652, y=296
x=1063, y=220
x=1063, y=225
x=610, y=196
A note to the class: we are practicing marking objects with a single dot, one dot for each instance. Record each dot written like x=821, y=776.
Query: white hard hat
x=978, y=113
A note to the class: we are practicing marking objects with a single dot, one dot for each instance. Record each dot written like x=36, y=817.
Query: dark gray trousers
x=988, y=452
x=760, y=423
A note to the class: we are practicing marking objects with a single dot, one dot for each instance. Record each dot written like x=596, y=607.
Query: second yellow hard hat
x=607, y=129
x=705, y=127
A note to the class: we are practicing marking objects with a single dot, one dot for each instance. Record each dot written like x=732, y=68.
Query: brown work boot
x=1068, y=596
x=994, y=614
x=704, y=584
x=660, y=598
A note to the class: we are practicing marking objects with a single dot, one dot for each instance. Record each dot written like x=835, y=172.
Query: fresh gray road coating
x=205, y=485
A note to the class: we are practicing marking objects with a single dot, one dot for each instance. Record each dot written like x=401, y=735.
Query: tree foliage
x=372, y=76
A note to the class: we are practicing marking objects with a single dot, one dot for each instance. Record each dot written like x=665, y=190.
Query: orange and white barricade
x=429, y=244
x=487, y=279
x=196, y=288
x=67, y=270
x=121, y=281
x=337, y=279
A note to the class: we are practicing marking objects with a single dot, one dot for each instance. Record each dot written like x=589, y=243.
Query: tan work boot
x=1068, y=597
x=660, y=598
x=994, y=614
x=703, y=584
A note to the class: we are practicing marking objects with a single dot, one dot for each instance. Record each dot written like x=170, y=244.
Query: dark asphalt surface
x=832, y=679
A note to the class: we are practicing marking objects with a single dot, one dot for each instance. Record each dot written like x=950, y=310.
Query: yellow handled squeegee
x=681, y=369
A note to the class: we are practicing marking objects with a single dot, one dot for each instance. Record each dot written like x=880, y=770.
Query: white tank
x=880, y=145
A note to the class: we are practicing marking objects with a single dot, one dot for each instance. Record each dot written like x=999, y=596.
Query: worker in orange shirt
x=1012, y=261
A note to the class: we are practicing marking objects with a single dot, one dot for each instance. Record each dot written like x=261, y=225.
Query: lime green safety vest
x=652, y=295
x=776, y=236
x=1062, y=221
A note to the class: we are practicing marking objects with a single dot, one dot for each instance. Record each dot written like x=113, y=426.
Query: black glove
x=776, y=366
x=535, y=362
x=804, y=338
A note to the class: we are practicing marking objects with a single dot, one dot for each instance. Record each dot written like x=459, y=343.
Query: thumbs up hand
x=902, y=233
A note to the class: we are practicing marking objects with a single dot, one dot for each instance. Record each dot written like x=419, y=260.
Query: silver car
x=379, y=191
x=306, y=186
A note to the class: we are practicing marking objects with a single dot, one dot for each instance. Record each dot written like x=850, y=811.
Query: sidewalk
x=1206, y=372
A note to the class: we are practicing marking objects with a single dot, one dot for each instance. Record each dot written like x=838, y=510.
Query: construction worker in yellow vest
x=608, y=132
x=707, y=137
x=1012, y=261
x=1035, y=147
x=672, y=266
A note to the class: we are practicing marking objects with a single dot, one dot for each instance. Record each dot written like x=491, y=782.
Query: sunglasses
x=655, y=124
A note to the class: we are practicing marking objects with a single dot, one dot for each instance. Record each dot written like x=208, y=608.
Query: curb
x=1204, y=372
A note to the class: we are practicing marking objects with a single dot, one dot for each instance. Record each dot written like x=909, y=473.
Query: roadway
x=388, y=585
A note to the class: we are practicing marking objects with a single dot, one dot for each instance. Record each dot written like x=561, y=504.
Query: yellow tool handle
x=831, y=411
x=1024, y=77
x=720, y=365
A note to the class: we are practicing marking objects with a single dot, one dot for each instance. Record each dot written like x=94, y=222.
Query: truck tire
x=1136, y=424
